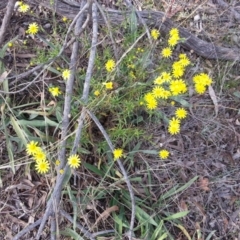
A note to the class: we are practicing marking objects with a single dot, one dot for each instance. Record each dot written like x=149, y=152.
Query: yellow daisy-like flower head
x=23, y=8
x=181, y=113
x=10, y=44
x=33, y=28
x=117, y=153
x=39, y=155
x=160, y=92
x=174, y=126
x=96, y=93
x=167, y=52
x=200, y=88
x=57, y=162
x=55, y=91
x=166, y=76
x=178, y=87
x=61, y=171
x=173, y=40
x=110, y=65
x=203, y=79
x=108, y=85
x=155, y=34
x=152, y=104
x=32, y=147
x=42, y=166
x=66, y=74
x=64, y=19
x=74, y=161
x=164, y=154
x=174, y=32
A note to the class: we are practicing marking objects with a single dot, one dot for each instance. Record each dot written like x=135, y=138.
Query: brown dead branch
x=152, y=19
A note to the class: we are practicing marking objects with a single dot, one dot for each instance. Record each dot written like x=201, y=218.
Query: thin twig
x=6, y=19
x=109, y=142
x=109, y=29
x=27, y=229
x=65, y=124
x=92, y=55
x=103, y=233
x=79, y=226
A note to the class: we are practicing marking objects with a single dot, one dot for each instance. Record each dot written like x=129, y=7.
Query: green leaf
x=71, y=233
x=182, y=101
x=93, y=169
x=18, y=130
x=143, y=217
x=157, y=231
x=38, y=123
x=177, y=215
x=74, y=205
x=237, y=94
x=174, y=190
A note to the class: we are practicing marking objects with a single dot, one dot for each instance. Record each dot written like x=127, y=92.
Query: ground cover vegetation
x=122, y=131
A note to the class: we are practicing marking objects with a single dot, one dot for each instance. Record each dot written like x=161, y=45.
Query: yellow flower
x=174, y=32
x=23, y=8
x=172, y=103
x=10, y=44
x=203, y=79
x=200, y=88
x=96, y=93
x=117, y=153
x=178, y=87
x=33, y=28
x=155, y=34
x=167, y=52
x=178, y=69
x=173, y=40
x=74, y=161
x=166, y=76
x=152, y=104
x=160, y=92
x=55, y=91
x=181, y=113
x=163, y=154
x=178, y=72
x=159, y=80
x=61, y=171
x=108, y=85
x=66, y=74
x=57, y=162
x=148, y=97
x=32, y=147
x=110, y=65
x=64, y=19
x=39, y=155
x=42, y=166
x=184, y=60
x=174, y=126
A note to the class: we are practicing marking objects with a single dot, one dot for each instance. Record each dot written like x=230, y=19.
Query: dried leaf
x=106, y=214
x=214, y=98
x=183, y=205
x=203, y=183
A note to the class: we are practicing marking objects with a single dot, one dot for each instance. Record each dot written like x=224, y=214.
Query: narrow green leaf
x=177, y=215
x=144, y=217
x=174, y=190
x=74, y=205
x=93, y=169
x=71, y=233
x=18, y=130
x=157, y=231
